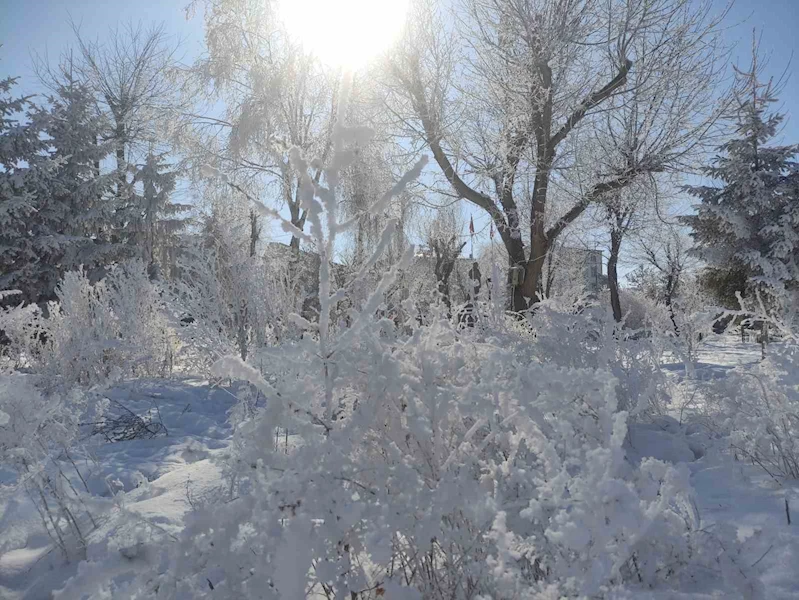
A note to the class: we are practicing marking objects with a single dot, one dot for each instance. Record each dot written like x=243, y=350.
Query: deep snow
x=160, y=479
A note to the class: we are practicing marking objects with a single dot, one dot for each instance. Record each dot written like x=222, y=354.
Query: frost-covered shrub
x=639, y=311
x=21, y=327
x=106, y=330
x=589, y=338
x=691, y=315
x=450, y=468
x=37, y=433
x=231, y=302
x=757, y=410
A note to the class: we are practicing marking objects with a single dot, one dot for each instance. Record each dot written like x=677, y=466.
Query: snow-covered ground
x=727, y=491
x=161, y=479
x=158, y=479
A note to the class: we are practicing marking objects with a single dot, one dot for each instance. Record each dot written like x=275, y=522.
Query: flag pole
x=471, y=236
x=491, y=241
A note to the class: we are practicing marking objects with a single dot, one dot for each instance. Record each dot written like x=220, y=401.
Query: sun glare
x=344, y=33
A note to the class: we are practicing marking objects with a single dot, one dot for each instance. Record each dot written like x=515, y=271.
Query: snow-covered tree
x=274, y=95
x=128, y=75
x=153, y=219
x=24, y=168
x=444, y=241
x=542, y=80
x=79, y=195
x=746, y=227
x=666, y=264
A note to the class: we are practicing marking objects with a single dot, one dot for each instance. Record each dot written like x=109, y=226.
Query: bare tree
x=274, y=95
x=129, y=73
x=129, y=77
x=668, y=256
x=506, y=99
x=624, y=212
x=442, y=235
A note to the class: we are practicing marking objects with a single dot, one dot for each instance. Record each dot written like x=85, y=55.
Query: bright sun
x=344, y=33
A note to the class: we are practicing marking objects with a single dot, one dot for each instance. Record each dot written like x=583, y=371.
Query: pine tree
x=58, y=209
x=747, y=228
x=80, y=201
x=23, y=164
x=154, y=220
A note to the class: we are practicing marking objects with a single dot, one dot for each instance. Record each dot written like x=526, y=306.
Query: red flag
x=491, y=230
x=471, y=225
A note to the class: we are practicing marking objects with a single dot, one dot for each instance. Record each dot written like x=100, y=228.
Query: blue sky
x=41, y=26
x=778, y=22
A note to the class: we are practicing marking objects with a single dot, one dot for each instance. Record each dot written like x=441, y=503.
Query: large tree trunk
x=613, y=275
x=538, y=236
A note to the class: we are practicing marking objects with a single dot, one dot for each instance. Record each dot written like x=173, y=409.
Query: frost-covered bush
x=692, y=315
x=21, y=327
x=449, y=468
x=757, y=409
x=589, y=338
x=106, y=330
x=37, y=433
x=229, y=301
x=757, y=406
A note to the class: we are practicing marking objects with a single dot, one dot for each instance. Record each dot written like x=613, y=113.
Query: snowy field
x=160, y=480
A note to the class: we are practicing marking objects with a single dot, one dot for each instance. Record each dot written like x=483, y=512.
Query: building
x=568, y=266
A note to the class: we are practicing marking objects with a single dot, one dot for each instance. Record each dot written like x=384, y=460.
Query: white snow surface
x=161, y=479
x=158, y=479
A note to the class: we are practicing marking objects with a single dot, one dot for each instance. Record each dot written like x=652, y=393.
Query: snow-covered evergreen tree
x=154, y=219
x=749, y=223
x=78, y=197
x=22, y=164
x=58, y=208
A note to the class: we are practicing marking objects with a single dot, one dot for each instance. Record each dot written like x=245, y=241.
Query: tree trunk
x=446, y=253
x=538, y=238
x=294, y=210
x=297, y=216
x=613, y=275
x=550, y=281
x=255, y=232
x=120, y=134
x=669, y=295
x=242, y=329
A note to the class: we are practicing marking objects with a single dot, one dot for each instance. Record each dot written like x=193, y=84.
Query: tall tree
x=746, y=227
x=79, y=195
x=156, y=219
x=23, y=164
x=620, y=218
x=273, y=94
x=69, y=210
x=668, y=262
x=129, y=77
x=502, y=100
